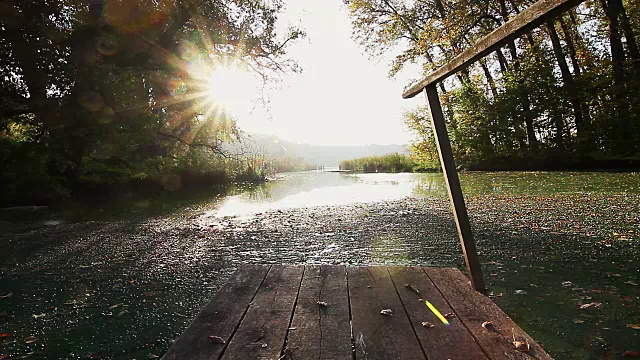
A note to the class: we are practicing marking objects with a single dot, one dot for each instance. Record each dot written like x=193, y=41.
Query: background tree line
x=565, y=95
x=100, y=93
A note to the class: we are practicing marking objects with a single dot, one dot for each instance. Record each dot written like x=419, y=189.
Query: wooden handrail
x=532, y=17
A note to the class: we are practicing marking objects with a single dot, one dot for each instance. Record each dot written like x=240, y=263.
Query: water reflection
x=310, y=189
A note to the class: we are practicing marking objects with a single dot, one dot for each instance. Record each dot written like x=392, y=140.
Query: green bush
x=25, y=177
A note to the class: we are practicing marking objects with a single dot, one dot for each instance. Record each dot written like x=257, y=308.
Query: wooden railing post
x=455, y=192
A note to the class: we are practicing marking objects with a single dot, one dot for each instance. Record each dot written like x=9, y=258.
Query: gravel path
x=123, y=290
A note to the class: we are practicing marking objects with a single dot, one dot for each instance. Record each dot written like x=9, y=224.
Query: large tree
x=117, y=81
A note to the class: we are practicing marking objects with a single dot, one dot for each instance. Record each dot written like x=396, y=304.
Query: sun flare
x=227, y=87
x=231, y=87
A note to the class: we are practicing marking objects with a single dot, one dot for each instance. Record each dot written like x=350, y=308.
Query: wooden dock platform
x=334, y=312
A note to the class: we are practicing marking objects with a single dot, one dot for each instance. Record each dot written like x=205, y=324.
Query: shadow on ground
x=125, y=289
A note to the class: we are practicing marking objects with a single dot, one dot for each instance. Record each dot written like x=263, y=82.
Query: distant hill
x=327, y=155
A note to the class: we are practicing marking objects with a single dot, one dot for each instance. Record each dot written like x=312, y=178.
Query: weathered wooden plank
x=220, y=317
x=262, y=332
x=378, y=336
x=536, y=14
x=456, y=198
x=317, y=331
x=473, y=308
x=441, y=341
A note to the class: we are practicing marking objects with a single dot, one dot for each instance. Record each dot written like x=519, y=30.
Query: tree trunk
x=568, y=38
x=501, y=60
x=490, y=81
x=26, y=43
x=612, y=10
x=569, y=35
x=622, y=140
x=569, y=83
x=526, y=102
x=632, y=45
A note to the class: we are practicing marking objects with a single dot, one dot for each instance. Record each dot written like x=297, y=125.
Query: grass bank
x=390, y=163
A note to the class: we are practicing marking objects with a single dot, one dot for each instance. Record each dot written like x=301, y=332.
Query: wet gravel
x=125, y=289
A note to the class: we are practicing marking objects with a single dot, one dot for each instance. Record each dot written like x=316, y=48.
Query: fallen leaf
x=387, y=312
x=37, y=316
x=595, y=305
x=488, y=325
x=4, y=357
x=520, y=292
x=427, y=324
x=567, y=284
x=522, y=346
x=264, y=346
x=322, y=303
x=5, y=334
x=630, y=354
x=6, y=296
x=115, y=306
x=634, y=326
x=292, y=328
x=578, y=321
x=153, y=356
x=449, y=315
x=631, y=283
x=216, y=339
x=27, y=355
x=410, y=287
x=30, y=340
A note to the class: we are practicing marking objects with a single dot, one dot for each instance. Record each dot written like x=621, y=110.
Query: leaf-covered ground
x=564, y=267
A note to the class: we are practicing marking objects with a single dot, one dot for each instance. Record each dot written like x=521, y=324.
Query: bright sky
x=341, y=97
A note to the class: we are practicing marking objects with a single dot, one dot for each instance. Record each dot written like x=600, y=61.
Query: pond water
x=320, y=188
x=309, y=189
x=120, y=279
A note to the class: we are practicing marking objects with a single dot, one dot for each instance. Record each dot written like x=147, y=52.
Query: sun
x=229, y=86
